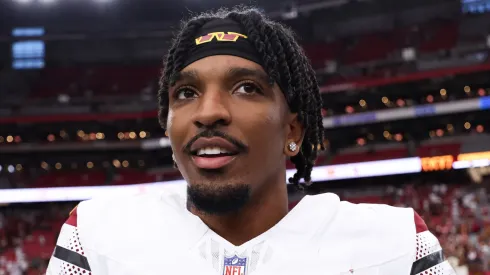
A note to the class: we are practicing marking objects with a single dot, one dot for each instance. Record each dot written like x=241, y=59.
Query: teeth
x=211, y=151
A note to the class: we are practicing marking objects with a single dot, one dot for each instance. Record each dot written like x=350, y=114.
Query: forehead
x=218, y=65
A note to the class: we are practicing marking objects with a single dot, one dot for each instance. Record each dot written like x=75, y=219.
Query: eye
x=248, y=88
x=185, y=93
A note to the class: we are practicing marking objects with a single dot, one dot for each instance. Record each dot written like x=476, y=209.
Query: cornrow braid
x=283, y=60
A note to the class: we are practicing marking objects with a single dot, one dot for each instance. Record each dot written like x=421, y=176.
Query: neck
x=265, y=209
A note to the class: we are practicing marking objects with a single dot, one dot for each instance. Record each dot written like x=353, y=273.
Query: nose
x=213, y=111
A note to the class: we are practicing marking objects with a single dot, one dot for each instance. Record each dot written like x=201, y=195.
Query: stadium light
x=481, y=92
x=62, y=98
x=479, y=129
x=409, y=54
x=450, y=128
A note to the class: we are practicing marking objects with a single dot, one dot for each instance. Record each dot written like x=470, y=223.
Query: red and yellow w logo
x=220, y=36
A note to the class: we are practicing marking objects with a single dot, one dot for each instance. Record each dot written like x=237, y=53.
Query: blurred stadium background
x=405, y=85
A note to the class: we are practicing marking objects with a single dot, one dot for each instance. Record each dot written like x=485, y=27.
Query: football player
x=237, y=98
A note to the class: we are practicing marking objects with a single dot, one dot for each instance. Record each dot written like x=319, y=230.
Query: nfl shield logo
x=235, y=266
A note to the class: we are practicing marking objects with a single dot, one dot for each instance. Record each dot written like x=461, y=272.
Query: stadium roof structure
x=64, y=13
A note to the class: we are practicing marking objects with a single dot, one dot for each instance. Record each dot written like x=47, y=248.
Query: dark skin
x=234, y=95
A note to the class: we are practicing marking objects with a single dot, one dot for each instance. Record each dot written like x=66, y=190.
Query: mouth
x=213, y=153
x=212, y=163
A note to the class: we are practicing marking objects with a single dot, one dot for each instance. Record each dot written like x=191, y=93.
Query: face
x=229, y=128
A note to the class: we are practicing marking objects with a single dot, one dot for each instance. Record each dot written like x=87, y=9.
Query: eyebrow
x=240, y=72
x=231, y=73
x=188, y=76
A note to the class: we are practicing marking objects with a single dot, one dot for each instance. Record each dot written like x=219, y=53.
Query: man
x=237, y=98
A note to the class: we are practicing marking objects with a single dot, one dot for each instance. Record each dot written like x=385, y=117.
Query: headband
x=223, y=37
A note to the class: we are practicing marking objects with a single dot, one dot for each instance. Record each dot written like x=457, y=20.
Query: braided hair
x=283, y=60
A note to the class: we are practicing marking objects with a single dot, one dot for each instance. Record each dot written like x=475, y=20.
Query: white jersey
x=156, y=234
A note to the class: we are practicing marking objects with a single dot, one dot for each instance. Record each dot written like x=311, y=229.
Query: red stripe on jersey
x=420, y=225
x=72, y=220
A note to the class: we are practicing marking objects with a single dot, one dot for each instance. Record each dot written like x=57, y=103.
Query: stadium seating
x=438, y=36
x=116, y=80
x=77, y=81
x=371, y=47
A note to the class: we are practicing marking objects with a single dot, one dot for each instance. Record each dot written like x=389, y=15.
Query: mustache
x=209, y=133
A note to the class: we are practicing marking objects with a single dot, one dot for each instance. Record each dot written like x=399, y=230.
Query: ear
x=295, y=133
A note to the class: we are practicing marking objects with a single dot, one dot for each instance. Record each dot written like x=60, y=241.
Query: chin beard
x=218, y=200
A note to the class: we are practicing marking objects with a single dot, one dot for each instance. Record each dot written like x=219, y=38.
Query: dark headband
x=223, y=37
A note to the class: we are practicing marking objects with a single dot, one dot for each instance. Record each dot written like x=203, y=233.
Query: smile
x=213, y=153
